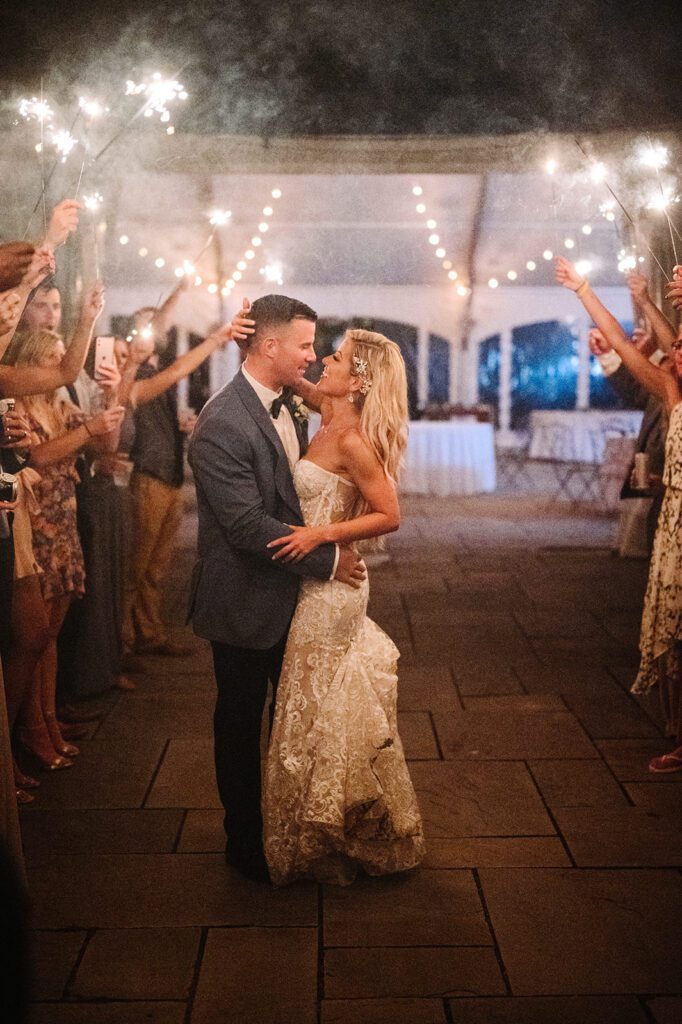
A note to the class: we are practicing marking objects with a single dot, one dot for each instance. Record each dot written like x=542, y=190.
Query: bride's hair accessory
x=361, y=370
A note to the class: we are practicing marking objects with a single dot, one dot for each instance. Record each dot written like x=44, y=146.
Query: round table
x=452, y=457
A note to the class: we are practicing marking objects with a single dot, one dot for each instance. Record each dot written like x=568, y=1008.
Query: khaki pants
x=157, y=511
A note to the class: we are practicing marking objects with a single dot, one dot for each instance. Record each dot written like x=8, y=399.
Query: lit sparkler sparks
x=63, y=141
x=93, y=202
x=159, y=93
x=35, y=110
x=652, y=156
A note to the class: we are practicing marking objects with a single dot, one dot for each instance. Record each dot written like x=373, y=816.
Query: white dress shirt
x=284, y=425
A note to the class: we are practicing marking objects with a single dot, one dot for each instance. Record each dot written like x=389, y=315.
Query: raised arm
x=378, y=491
x=41, y=266
x=98, y=433
x=140, y=391
x=16, y=381
x=663, y=331
x=659, y=382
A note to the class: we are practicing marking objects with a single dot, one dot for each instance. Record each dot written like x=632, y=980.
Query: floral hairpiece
x=361, y=370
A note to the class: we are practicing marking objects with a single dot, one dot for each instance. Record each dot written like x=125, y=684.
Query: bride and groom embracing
x=281, y=593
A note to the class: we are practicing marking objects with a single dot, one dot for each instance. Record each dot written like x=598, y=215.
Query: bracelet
x=583, y=288
x=87, y=429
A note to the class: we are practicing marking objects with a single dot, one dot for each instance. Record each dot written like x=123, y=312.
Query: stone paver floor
x=551, y=893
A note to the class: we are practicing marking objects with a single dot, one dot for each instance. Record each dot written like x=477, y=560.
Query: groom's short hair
x=273, y=310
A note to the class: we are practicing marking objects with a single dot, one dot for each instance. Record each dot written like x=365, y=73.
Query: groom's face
x=292, y=349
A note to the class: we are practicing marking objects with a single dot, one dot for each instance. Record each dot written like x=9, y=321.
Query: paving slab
x=382, y=1011
x=107, y=774
x=53, y=957
x=137, y=963
x=529, y=852
x=549, y=1010
x=484, y=680
x=618, y=718
x=424, y=908
x=577, y=784
x=186, y=777
x=507, y=733
x=424, y=688
x=666, y=1010
x=160, y=890
x=108, y=1013
x=666, y=800
x=98, y=831
x=403, y=972
x=621, y=837
x=202, y=832
x=158, y=715
x=417, y=735
x=459, y=800
x=250, y=976
x=628, y=759
x=634, y=915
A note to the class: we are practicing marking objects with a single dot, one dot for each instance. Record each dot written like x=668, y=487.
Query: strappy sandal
x=665, y=763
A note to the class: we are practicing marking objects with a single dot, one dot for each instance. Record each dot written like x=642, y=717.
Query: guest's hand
x=11, y=306
x=63, y=221
x=295, y=545
x=643, y=340
x=105, y=422
x=107, y=377
x=639, y=288
x=221, y=337
x=242, y=327
x=43, y=265
x=673, y=289
x=350, y=568
x=93, y=302
x=15, y=260
x=567, y=275
x=16, y=431
x=187, y=421
x=8, y=506
x=598, y=344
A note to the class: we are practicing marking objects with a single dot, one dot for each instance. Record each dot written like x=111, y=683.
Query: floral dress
x=662, y=615
x=56, y=545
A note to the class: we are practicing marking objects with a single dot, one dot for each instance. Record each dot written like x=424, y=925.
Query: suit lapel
x=263, y=420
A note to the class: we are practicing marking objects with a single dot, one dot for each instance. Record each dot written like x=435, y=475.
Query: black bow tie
x=286, y=398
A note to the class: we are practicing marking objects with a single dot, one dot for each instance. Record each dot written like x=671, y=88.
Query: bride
x=337, y=795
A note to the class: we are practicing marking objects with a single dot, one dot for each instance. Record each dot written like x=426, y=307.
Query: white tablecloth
x=455, y=457
x=579, y=435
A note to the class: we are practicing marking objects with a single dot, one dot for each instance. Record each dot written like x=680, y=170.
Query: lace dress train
x=337, y=794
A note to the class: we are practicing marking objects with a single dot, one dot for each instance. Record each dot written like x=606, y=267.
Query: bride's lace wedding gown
x=337, y=794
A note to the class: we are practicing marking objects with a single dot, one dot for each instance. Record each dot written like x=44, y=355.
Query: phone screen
x=104, y=354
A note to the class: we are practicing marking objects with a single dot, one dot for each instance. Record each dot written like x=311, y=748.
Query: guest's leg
x=242, y=680
x=150, y=625
x=147, y=514
x=57, y=609
x=29, y=638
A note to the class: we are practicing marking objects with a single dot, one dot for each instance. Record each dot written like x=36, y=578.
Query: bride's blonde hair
x=382, y=401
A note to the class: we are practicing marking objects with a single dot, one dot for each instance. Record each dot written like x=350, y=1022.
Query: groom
x=243, y=451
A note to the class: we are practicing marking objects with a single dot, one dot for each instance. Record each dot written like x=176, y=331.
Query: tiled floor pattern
x=551, y=892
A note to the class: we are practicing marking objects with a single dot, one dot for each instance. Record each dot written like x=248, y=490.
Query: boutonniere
x=299, y=411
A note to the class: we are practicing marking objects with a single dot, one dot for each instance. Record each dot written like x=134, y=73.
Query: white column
x=182, y=346
x=504, y=396
x=422, y=366
x=582, y=398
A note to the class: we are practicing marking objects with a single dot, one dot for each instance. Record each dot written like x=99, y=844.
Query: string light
x=431, y=224
x=569, y=243
x=417, y=190
x=160, y=262
x=267, y=211
x=512, y=275
x=124, y=239
x=531, y=265
x=420, y=208
x=493, y=282
x=143, y=252
x=587, y=229
x=263, y=227
x=547, y=254
x=276, y=193
x=434, y=239
x=453, y=275
x=440, y=253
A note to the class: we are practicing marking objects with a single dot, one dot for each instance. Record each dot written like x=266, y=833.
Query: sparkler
x=658, y=158
x=617, y=200
x=551, y=167
x=93, y=203
x=158, y=93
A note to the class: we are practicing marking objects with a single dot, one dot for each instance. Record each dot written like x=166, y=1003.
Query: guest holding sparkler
x=661, y=631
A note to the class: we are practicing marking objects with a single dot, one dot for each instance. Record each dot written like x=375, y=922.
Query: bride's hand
x=300, y=542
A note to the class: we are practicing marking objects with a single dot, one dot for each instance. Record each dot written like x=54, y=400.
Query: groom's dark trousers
x=242, y=676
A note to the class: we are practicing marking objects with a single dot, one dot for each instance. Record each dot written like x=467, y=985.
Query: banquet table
x=579, y=435
x=449, y=457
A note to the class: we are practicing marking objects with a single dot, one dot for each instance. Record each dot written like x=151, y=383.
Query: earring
x=351, y=397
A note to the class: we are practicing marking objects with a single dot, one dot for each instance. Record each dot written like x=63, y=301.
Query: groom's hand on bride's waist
x=350, y=568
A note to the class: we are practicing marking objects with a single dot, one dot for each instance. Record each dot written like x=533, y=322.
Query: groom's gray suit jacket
x=245, y=495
